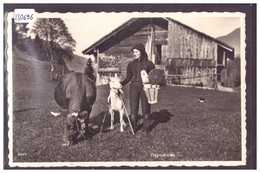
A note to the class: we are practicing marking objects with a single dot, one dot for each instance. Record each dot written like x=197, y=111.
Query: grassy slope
x=192, y=131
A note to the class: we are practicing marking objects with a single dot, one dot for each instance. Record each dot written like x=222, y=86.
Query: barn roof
x=132, y=25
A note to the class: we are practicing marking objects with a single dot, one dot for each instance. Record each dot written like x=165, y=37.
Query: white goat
x=115, y=99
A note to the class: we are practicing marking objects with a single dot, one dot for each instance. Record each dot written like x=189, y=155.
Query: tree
x=19, y=32
x=89, y=70
x=62, y=55
x=58, y=40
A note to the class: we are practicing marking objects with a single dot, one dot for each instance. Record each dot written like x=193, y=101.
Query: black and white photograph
x=144, y=88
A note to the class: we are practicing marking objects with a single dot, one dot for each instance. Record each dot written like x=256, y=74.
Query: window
x=158, y=54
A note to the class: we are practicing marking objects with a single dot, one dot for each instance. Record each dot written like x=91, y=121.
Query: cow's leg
x=65, y=140
x=122, y=122
x=111, y=111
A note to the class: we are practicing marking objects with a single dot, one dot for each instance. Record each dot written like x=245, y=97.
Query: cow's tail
x=55, y=113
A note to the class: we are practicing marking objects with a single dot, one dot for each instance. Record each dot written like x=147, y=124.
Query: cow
x=76, y=93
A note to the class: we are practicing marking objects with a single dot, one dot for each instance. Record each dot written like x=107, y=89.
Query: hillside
x=233, y=39
x=32, y=86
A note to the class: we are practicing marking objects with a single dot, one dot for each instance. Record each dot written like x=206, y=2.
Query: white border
x=141, y=164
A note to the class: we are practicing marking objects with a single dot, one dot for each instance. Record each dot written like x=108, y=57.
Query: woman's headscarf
x=141, y=48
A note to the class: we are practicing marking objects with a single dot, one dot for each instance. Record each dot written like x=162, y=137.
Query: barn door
x=221, y=64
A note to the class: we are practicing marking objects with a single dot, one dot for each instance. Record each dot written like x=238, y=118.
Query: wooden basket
x=151, y=92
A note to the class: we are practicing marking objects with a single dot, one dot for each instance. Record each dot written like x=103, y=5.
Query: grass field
x=182, y=128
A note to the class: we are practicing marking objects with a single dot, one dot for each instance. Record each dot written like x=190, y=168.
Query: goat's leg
x=112, y=119
x=122, y=122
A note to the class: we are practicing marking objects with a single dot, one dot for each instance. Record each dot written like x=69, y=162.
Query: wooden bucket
x=151, y=92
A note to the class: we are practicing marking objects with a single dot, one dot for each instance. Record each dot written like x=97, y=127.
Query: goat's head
x=115, y=83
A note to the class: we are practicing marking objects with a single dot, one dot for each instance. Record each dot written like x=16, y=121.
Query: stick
x=101, y=128
x=127, y=115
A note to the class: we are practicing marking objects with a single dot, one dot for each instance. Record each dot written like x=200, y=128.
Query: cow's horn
x=75, y=114
x=55, y=113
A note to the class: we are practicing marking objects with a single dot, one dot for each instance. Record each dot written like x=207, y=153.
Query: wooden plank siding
x=183, y=43
x=139, y=37
x=187, y=56
x=192, y=58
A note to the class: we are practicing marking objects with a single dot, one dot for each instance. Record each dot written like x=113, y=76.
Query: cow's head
x=75, y=126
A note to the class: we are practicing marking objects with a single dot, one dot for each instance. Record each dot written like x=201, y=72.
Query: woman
x=136, y=91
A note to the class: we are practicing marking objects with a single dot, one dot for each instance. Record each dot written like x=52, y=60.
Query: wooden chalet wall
x=123, y=48
x=191, y=58
x=187, y=56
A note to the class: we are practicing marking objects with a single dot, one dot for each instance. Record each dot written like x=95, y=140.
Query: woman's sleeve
x=128, y=75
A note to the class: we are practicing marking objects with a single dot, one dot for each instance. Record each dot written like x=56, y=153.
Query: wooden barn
x=187, y=56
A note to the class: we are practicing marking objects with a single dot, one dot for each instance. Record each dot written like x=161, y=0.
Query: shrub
x=111, y=61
